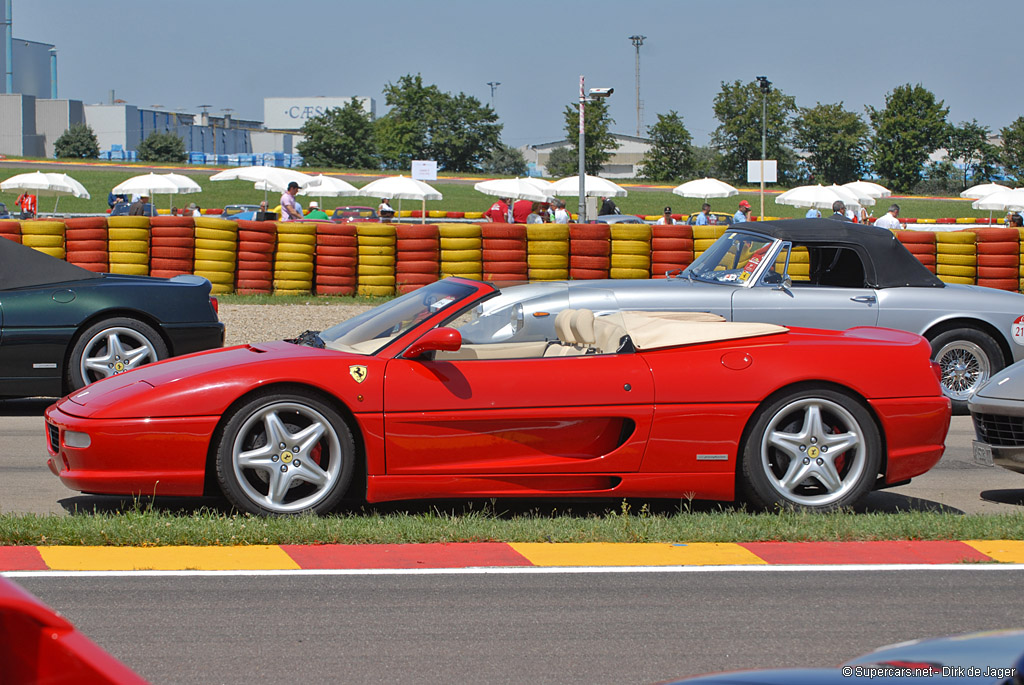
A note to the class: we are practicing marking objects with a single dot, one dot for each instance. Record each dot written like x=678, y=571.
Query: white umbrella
x=327, y=186
x=868, y=189
x=536, y=190
x=979, y=191
x=185, y=184
x=46, y=184
x=266, y=178
x=818, y=196
x=705, y=188
x=401, y=187
x=856, y=198
x=1003, y=200
x=594, y=186
x=146, y=184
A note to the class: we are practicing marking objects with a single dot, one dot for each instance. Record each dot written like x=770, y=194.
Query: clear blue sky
x=233, y=53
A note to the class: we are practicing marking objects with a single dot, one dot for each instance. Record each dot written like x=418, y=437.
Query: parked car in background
x=354, y=213
x=4, y=212
x=236, y=212
x=456, y=390
x=618, y=219
x=63, y=327
x=721, y=218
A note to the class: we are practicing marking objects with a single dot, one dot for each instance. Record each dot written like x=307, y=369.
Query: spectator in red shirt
x=498, y=212
x=521, y=210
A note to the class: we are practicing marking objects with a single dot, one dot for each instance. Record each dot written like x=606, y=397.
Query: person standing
x=498, y=213
x=291, y=210
x=742, y=214
x=666, y=218
x=561, y=214
x=704, y=218
x=521, y=210
x=608, y=207
x=538, y=214
x=27, y=202
x=890, y=219
x=839, y=211
x=138, y=207
x=316, y=213
x=812, y=213
x=384, y=210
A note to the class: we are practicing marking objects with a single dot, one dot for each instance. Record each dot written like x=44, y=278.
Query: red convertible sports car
x=452, y=391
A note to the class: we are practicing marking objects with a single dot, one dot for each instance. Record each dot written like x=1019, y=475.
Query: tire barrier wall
x=266, y=257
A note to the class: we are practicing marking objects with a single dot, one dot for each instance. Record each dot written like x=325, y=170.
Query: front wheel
x=285, y=453
x=111, y=347
x=817, y=450
x=967, y=358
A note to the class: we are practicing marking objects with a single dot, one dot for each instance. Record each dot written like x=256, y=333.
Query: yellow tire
x=630, y=232
x=42, y=240
x=631, y=261
x=219, y=245
x=57, y=252
x=221, y=277
x=209, y=265
x=284, y=275
x=474, y=215
x=375, y=230
x=375, y=270
x=461, y=268
x=129, y=258
x=629, y=273
x=128, y=222
x=437, y=213
x=708, y=232
x=375, y=290
x=548, y=275
x=302, y=285
x=957, y=259
x=800, y=255
x=129, y=269
x=298, y=266
x=42, y=227
x=214, y=222
x=128, y=234
x=461, y=256
x=702, y=244
x=559, y=247
x=955, y=248
x=962, y=280
x=631, y=247
x=221, y=288
x=954, y=270
x=377, y=250
x=547, y=232
x=378, y=260
x=458, y=230
x=296, y=239
x=954, y=237
x=376, y=280
x=215, y=256
x=217, y=234
x=128, y=246
x=547, y=261
x=382, y=240
x=462, y=243
x=293, y=248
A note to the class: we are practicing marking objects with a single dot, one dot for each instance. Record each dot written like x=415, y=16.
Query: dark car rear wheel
x=285, y=453
x=967, y=358
x=814, y=449
x=110, y=347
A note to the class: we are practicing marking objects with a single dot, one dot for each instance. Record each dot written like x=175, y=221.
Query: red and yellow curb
x=503, y=555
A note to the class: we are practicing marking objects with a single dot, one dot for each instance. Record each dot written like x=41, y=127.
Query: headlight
x=76, y=439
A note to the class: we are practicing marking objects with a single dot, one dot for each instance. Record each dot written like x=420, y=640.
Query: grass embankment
x=643, y=199
x=145, y=527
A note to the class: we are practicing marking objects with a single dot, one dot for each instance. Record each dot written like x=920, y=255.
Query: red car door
x=580, y=414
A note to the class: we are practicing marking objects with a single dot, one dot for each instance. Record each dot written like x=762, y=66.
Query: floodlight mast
x=637, y=41
x=766, y=87
x=595, y=93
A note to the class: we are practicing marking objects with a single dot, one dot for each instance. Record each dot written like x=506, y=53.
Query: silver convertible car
x=822, y=273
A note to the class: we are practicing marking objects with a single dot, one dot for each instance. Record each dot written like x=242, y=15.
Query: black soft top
x=887, y=263
x=24, y=267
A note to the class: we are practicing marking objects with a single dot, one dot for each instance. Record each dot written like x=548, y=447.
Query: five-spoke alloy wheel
x=112, y=347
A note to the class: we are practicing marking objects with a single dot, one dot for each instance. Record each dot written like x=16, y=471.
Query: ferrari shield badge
x=358, y=372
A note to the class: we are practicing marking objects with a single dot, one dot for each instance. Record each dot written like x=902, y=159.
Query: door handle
x=866, y=299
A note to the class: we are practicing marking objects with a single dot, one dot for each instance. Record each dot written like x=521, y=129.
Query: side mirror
x=443, y=339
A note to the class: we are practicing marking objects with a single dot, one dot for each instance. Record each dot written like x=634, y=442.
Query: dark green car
x=63, y=327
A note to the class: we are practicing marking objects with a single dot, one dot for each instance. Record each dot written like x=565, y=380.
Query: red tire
x=337, y=250
x=419, y=256
x=172, y=231
x=338, y=240
x=421, y=232
x=253, y=274
x=506, y=267
x=1011, y=284
x=920, y=248
x=503, y=231
x=589, y=232
x=262, y=285
x=997, y=235
x=672, y=231
x=998, y=272
x=1002, y=248
x=180, y=265
x=253, y=246
x=256, y=257
x=504, y=255
x=86, y=223
x=588, y=262
x=414, y=244
x=335, y=230
x=677, y=244
x=265, y=227
x=335, y=289
x=80, y=245
x=905, y=236
x=927, y=260
x=417, y=268
x=660, y=268
x=336, y=280
x=999, y=260
x=85, y=233
x=338, y=272
x=87, y=255
x=173, y=242
x=672, y=256
x=334, y=260
x=504, y=244
x=588, y=274
x=256, y=236
x=418, y=279
x=171, y=221
x=176, y=253
x=593, y=248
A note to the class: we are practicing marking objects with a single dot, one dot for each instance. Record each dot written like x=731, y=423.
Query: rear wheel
x=814, y=449
x=111, y=347
x=967, y=358
x=285, y=453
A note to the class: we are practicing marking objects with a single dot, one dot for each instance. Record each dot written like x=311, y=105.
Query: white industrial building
x=624, y=163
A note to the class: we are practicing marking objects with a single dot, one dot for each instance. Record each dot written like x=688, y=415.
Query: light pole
x=638, y=40
x=765, y=86
x=594, y=94
x=494, y=86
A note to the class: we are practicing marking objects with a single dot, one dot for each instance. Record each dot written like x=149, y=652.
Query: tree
x=835, y=140
x=563, y=162
x=912, y=126
x=707, y=162
x=340, y=137
x=503, y=160
x=738, y=137
x=424, y=123
x=77, y=141
x=1012, y=153
x=671, y=155
x=162, y=147
x=599, y=142
x=967, y=145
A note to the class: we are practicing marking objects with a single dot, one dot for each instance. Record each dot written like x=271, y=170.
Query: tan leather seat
x=582, y=325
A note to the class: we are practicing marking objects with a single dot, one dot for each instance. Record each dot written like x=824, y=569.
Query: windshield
x=732, y=259
x=372, y=330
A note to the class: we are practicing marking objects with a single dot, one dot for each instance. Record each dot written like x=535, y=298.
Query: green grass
x=643, y=198
x=143, y=526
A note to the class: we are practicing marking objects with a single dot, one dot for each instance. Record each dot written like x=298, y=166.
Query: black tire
x=814, y=449
x=111, y=347
x=967, y=358
x=310, y=473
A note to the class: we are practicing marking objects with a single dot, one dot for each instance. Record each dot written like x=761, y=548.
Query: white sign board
x=292, y=113
x=424, y=169
x=771, y=174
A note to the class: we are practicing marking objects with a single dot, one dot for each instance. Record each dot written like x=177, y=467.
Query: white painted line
x=525, y=570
